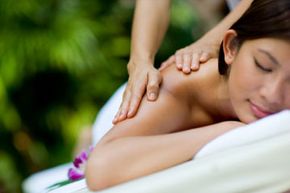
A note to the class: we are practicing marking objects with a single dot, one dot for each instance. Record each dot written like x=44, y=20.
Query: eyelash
x=261, y=67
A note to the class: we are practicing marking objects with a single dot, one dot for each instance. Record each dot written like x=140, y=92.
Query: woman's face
x=259, y=79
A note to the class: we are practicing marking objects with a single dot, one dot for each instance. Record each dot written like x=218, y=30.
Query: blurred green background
x=60, y=60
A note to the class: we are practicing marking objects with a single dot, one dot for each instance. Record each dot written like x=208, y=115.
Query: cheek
x=287, y=101
x=241, y=89
x=239, y=79
x=243, y=79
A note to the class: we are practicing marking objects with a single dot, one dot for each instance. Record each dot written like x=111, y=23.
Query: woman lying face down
x=249, y=81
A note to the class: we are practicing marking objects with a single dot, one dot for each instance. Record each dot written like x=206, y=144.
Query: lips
x=258, y=111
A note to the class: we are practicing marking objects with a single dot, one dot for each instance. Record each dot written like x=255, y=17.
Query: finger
x=116, y=118
x=136, y=97
x=154, y=80
x=136, y=100
x=186, y=63
x=120, y=116
x=163, y=65
x=166, y=63
x=204, y=57
x=195, y=61
x=123, y=109
x=134, y=105
x=179, y=61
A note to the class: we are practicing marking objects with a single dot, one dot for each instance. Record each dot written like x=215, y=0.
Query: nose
x=273, y=93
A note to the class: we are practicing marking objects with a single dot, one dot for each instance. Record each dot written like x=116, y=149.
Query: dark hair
x=264, y=18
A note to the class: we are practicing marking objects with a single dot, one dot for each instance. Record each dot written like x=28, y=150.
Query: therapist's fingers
x=135, y=100
x=167, y=62
x=205, y=56
x=123, y=109
x=195, y=61
x=179, y=61
x=186, y=63
x=154, y=80
x=133, y=94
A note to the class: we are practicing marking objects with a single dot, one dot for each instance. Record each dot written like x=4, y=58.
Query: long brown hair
x=264, y=18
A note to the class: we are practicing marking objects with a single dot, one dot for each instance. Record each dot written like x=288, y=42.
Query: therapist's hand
x=143, y=78
x=189, y=58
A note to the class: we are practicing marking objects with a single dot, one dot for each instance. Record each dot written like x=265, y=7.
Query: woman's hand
x=189, y=58
x=142, y=78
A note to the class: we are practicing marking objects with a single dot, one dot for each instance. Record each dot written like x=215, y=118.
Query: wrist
x=213, y=37
x=145, y=58
x=136, y=62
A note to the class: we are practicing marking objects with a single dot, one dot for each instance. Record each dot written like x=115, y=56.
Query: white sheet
x=271, y=126
x=253, y=158
x=260, y=167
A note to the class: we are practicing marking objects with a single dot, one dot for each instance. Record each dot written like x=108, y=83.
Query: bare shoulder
x=179, y=83
x=170, y=112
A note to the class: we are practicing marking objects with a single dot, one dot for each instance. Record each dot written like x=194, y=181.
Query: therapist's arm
x=151, y=19
x=149, y=26
x=207, y=46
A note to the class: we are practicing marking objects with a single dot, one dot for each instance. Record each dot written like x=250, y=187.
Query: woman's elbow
x=98, y=176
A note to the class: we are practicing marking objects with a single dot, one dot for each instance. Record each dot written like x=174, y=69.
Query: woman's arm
x=128, y=158
x=126, y=148
x=129, y=150
x=168, y=114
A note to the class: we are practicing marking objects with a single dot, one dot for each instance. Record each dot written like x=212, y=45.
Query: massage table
x=254, y=158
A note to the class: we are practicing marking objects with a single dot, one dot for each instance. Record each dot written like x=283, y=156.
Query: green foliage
x=60, y=60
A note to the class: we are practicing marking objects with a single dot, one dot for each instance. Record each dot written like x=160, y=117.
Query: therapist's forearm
x=217, y=33
x=150, y=23
x=127, y=158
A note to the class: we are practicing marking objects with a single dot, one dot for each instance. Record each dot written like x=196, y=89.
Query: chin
x=246, y=118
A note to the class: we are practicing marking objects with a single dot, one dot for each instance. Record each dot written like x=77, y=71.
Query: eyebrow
x=272, y=58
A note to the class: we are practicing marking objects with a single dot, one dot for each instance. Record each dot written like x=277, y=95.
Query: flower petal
x=83, y=156
x=91, y=148
x=74, y=174
x=77, y=172
x=77, y=161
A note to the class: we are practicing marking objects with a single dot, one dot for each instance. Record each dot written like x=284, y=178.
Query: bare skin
x=193, y=110
x=185, y=102
x=146, y=39
x=178, y=109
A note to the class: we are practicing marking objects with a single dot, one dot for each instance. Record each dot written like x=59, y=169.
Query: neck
x=224, y=104
x=213, y=94
x=222, y=108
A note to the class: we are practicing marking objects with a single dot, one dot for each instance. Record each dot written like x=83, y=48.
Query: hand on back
x=144, y=78
x=189, y=58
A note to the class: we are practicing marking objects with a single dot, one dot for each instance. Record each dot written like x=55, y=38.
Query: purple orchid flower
x=77, y=172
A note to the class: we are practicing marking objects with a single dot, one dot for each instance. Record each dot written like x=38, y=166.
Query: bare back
x=185, y=102
x=204, y=91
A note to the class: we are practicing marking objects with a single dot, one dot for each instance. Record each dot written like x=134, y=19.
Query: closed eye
x=261, y=67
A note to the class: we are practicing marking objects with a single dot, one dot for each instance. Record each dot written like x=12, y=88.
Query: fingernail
x=114, y=120
x=152, y=96
x=193, y=66
x=121, y=115
x=130, y=113
x=187, y=70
